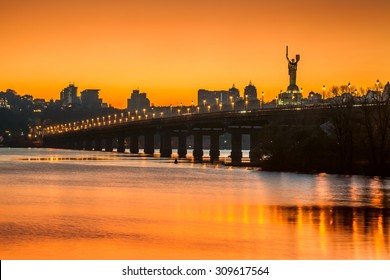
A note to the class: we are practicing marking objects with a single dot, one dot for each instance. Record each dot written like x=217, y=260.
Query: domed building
x=250, y=97
x=250, y=92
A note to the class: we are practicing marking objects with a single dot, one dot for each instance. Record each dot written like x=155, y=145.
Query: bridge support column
x=121, y=144
x=198, y=147
x=165, y=145
x=59, y=145
x=134, y=144
x=236, y=153
x=78, y=144
x=88, y=144
x=97, y=144
x=254, y=154
x=67, y=143
x=214, y=147
x=149, y=143
x=182, y=150
x=108, y=145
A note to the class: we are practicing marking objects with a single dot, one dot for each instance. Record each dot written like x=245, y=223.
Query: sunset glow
x=170, y=49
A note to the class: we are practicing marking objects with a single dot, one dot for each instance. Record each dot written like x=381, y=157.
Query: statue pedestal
x=292, y=98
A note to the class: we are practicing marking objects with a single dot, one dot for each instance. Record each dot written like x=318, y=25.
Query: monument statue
x=292, y=71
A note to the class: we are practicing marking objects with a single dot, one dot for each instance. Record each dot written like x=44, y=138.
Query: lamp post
x=323, y=92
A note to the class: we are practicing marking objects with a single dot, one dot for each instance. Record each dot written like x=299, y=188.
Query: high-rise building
x=68, y=96
x=216, y=97
x=90, y=99
x=138, y=101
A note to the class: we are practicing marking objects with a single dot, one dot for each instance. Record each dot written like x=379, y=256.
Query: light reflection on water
x=91, y=205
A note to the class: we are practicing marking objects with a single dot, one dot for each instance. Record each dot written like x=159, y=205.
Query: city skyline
x=172, y=49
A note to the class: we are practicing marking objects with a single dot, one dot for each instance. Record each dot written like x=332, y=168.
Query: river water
x=59, y=204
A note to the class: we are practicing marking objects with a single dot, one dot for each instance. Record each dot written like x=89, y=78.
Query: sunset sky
x=170, y=49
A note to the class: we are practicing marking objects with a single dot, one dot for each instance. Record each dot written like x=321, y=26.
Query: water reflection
x=240, y=232
x=138, y=208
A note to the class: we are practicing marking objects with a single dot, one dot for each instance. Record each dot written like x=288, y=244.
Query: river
x=61, y=204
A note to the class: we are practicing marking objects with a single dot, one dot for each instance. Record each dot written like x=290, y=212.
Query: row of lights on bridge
x=109, y=120
x=123, y=118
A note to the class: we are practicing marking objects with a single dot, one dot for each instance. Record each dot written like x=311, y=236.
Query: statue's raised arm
x=287, y=53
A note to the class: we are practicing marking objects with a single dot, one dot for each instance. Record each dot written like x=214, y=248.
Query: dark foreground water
x=57, y=204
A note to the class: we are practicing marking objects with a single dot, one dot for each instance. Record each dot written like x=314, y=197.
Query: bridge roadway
x=99, y=135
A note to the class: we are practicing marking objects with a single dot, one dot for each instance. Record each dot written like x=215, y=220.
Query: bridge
x=99, y=134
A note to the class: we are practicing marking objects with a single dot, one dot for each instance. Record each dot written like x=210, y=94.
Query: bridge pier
x=134, y=144
x=149, y=143
x=97, y=144
x=108, y=144
x=121, y=144
x=165, y=145
x=254, y=155
x=198, y=147
x=182, y=150
x=88, y=144
x=67, y=144
x=78, y=144
x=236, y=153
x=214, y=147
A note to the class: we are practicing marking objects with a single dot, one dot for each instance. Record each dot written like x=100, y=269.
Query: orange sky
x=172, y=48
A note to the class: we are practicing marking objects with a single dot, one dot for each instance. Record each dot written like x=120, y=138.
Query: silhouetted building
x=90, y=99
x=138, y=101
x=250, y=97
x=4, y=103
x=68, y=96
x=234, y=96
x=314, y=97
x=250, y=92
x=215, y=97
